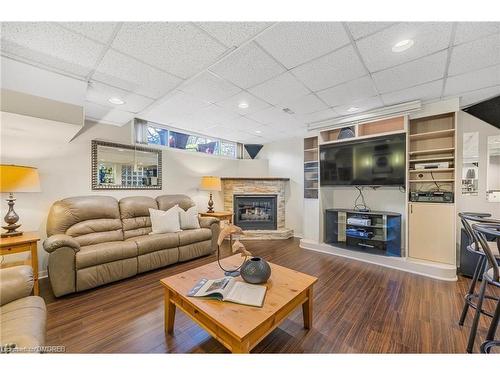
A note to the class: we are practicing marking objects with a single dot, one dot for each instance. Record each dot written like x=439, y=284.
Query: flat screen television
x=377, y=161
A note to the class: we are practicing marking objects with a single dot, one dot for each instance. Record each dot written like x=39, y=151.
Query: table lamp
x=210, y=183
x=16, y=179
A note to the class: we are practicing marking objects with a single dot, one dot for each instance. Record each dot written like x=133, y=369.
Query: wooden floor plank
x=358, y=308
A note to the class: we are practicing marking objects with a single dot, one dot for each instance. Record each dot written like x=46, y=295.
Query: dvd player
x=433, y=165
x=431, y=196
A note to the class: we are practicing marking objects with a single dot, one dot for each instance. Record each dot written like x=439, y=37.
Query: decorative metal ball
x=255, y=271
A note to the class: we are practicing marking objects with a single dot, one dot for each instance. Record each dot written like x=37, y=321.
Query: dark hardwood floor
x=358, y=308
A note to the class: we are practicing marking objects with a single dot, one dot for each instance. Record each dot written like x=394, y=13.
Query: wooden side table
x=20, y=244
x=221, y=215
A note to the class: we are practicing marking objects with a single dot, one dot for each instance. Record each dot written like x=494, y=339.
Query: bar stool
x=490, y=277
x=474, y=247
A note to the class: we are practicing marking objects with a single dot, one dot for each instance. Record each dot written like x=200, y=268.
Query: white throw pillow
x=165, y=221
x=189, y=218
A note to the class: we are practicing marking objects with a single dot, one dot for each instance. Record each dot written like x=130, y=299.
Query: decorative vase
x=255, y=271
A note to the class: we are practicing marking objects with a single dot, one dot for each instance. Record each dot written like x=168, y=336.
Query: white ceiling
x=193, y=75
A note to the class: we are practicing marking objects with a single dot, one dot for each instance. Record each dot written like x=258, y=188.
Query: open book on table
x=228, y=289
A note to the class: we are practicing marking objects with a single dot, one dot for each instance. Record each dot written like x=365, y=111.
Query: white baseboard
x=440, y=271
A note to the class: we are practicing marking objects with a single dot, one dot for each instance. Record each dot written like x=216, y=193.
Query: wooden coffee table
x=239, y=328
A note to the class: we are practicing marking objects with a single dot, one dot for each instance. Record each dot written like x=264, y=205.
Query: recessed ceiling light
x=402, y=45
x=258, y=131
x=116, y=100
x=243, y=105
x=352, y=109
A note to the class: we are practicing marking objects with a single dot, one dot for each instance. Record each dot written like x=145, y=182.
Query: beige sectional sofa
x=95, y=240
x=22, y=316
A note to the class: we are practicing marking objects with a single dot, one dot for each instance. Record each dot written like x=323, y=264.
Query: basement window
x=155, y=134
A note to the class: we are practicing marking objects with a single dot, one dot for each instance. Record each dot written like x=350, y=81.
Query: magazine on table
x=231, y=290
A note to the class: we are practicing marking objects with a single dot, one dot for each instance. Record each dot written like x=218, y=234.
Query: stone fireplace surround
x=232, y=186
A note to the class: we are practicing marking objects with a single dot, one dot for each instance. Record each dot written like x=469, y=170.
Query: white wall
x=286, y=159
x=479, y=203
x=65, y=167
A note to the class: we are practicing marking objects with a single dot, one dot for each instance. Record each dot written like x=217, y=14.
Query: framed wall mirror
x=116, y=166
x=493, y=169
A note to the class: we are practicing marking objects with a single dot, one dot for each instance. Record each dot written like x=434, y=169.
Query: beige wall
x=65, y=168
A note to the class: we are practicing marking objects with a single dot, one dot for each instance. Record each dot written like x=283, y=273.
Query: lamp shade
x=18, y=179
x=211, y=183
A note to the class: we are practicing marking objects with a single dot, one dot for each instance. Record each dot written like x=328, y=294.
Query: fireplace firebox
x=255, y=211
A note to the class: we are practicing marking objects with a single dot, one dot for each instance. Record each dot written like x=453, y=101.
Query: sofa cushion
x=157, y=259
x=23, y=322
x=105, y=252
x=154, y=242
x=189, y=218
x=195, y=250
x=88, y=219
x=190, y=236
x=168, y=201
x=134, y=213
x=165, y=221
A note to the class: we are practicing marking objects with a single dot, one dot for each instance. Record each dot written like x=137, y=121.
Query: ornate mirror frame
x=95, y=162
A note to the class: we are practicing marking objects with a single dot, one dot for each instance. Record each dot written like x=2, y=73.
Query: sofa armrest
x=207, y=221
x=60, y=240
x=213, y=224
x=15, y=283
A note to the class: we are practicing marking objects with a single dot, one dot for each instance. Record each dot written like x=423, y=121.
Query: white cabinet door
x=431, y=232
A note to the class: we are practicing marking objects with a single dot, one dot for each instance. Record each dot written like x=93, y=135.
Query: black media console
x=376, y=232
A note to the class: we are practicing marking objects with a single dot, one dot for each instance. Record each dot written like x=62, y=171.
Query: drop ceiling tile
x=240, y=124
x=233, y=33
x=477, y=96
x=316, y=116
x=119, y=70
x=254, y=104
x=362, y=105
x=279, y=133
x=427, y=91
x=293, y=43
x=274, y=116
x=468, y=31
x=306, y=104
x=100, y=31
x=179, y=48
x=348, y=92
x=429, y=37
x=280, y=89
x=475, y=55
x=411, y=74
x=362, y=29
x=107, y=114
x=253, y=139
x=175, y=106
x=330, y=70
x=248, y=66
x=100, y=93
x=47, y=44
x=210, y=88
x=210, y=116
x=263, y=131
x=227, y=133
x=473, y=81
